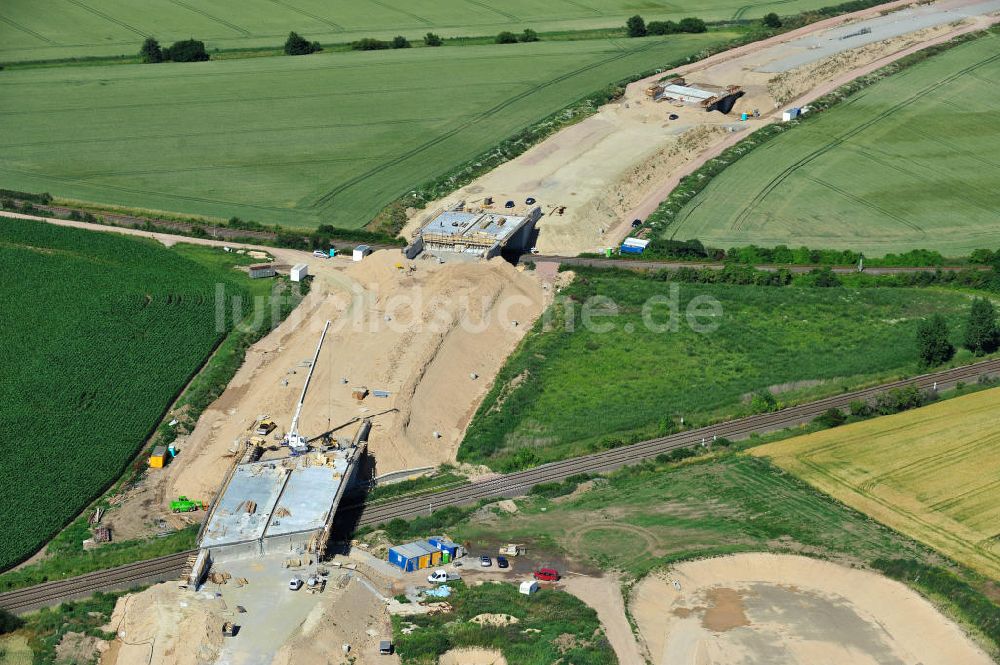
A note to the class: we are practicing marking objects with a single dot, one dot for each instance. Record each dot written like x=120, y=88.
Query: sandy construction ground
x=168, y=626
x=768, y=608
x=619, y=164
x=433, y=337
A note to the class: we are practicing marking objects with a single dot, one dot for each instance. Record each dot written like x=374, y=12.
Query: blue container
x=743, y=116
x=333, y=251
x=631, y=249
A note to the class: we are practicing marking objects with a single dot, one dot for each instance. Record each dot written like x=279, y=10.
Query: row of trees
x=507, y=37
x=188, y=50
x=636, y=26
x=981, y=334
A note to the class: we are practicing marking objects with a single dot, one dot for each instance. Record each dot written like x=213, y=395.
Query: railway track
x=509, y=485
x=638, y=264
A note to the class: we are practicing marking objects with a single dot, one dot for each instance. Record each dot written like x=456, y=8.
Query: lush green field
x=47, y=29
x=580, y=391
x=539, y=638
x=910, y=162
x=931, y=473
x=330, y=138
x=101, y=333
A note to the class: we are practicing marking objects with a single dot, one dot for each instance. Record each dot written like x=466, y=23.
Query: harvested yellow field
x=932, y=473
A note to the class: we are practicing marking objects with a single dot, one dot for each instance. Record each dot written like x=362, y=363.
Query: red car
x=547, y=575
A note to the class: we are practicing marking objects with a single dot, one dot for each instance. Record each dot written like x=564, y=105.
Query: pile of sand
x=792, y=610
x=494, y=619
x=472, y=657
x=355, y=617
x=166, y=626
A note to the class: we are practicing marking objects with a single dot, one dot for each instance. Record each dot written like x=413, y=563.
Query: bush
x=189, y=50
x=933, y=345
x=528, y=35
x=692, y=25
x=9, y=622
x=636, y=26
x=399, y=41
x=772, y=20
x=430, y=39
x=763, y=402
x=981, y=334
x=150, y=51
x=506, y=37
x=369, y=44
x=296, y=44
x=824, y=278
x=661, y=28
x=830, y=418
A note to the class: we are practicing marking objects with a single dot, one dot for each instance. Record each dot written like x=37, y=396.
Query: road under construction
x=350, y=515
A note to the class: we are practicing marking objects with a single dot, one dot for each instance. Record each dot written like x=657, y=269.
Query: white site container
x=299, y=272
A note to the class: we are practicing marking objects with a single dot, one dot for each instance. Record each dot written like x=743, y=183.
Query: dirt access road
x=620, y=163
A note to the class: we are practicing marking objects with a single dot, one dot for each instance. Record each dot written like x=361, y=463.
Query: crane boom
x=294, y=440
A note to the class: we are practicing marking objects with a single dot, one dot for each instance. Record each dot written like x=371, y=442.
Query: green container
x=445, y=557
x=607, y=252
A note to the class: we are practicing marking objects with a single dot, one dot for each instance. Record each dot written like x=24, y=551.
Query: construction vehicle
x=186, y=505
x=298, y=443
x=265, y=427
x=512, y=549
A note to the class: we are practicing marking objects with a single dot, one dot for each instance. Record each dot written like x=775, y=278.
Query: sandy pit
x=767, y=608
x=472, y=657
x=619, y=164
x=431, y=335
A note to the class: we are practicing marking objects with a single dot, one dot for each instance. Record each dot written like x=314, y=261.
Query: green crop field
x=329, y=138
x=47, y=29
x=565, y=393
x=931, y=473
x=100, y=333
x=910, y=162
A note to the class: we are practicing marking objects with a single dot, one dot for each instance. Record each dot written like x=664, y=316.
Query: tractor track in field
x=739, y=222
x=509, y=485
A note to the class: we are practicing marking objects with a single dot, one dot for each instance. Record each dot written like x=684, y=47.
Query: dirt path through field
x=619, y=164
x=604, y=596
x=792, y=610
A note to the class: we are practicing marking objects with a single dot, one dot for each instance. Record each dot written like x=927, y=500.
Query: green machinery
x=186, y=505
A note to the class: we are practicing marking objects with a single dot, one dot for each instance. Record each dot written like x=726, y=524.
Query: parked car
x=533, y=250
x=547, y=575
x=502, y=562
x=509, y=204
x=440, y=576
x=294, y=584
x=673, y=116
x=320, y=254
x=485, y=561
x=636, y=223
x=530, y=200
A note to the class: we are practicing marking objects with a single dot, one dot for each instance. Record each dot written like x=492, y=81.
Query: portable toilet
x=743, y=116
x=608, y=251
x=159, y=458
x=333, y=252
x=528, y=587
